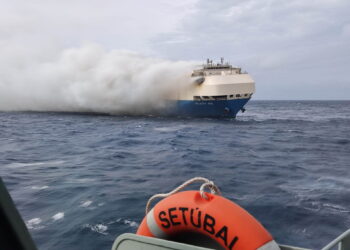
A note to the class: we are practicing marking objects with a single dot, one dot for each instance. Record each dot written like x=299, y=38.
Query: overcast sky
x=294, y=49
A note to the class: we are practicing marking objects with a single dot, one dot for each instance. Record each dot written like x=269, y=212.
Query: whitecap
x=39, y=187
x=98, y=228
x=27, y=164
x=131, y=223
x=58, y=216
x=336, y=208
x=86, y=203
x=165, y=129
x=22, y=164
x=170, y=129
x=34, y=223
x=125, y=222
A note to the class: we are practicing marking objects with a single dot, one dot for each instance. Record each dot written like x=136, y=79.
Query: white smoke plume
x=88, y=79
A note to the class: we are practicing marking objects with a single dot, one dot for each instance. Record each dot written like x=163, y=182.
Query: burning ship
x=219, y=90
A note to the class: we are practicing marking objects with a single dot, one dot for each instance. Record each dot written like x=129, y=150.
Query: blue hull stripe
x=219, y=108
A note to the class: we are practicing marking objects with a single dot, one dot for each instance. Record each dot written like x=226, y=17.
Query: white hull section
x=233, y=86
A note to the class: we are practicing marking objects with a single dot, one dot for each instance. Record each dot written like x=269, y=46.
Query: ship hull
x=210, y=108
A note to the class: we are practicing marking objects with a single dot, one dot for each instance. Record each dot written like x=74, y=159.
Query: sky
x=293, y=49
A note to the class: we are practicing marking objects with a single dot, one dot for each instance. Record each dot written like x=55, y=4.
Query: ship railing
x=342, y=242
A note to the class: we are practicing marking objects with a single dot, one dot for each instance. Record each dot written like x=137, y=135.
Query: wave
x=98, y=228
x=40, y=187
x=34, y=224
x=128, y=222
x=58, y=216
x=30, y=164
x=86, y=203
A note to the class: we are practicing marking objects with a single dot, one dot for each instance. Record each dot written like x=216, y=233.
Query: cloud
x=299, y=45
x=282, y=43
x=114, y=24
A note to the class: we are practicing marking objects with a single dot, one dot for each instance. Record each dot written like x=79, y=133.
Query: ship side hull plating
x=210, y=108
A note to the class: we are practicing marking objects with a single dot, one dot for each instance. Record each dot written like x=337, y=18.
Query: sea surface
x=80, y=180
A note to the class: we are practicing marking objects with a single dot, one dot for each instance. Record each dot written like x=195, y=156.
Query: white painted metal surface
x=133, y=241
x=220, y=79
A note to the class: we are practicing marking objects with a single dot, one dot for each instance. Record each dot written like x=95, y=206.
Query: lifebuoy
x=217, y=217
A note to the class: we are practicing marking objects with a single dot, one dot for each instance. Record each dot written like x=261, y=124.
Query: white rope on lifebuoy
x=207, y=184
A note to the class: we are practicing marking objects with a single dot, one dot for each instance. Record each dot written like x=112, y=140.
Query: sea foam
x=58, y=216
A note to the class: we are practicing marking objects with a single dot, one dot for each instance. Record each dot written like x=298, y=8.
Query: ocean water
x=80, y=180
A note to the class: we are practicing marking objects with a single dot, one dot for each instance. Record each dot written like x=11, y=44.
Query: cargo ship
x=218, y=90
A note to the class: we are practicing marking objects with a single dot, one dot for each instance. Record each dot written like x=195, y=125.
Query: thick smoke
x=89, y=79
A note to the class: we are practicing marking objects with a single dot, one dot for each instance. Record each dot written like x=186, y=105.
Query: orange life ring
x=217, y=217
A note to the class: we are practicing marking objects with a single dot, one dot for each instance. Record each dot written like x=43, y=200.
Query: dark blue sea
x=80, y=180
